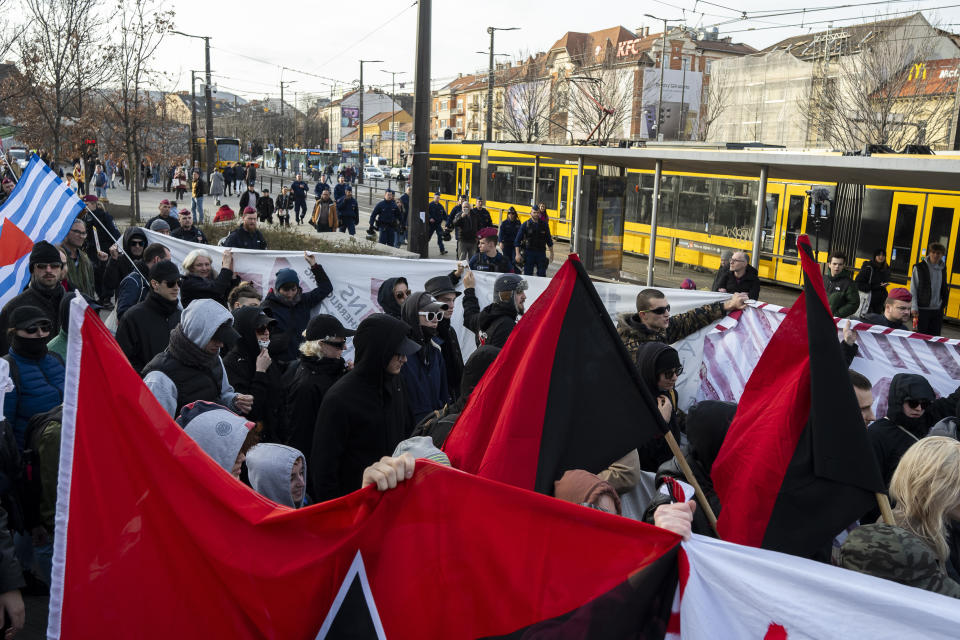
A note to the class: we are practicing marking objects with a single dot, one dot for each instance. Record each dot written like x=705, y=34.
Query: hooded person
x=496, y=321
x=291, y=307
x=444, y=290
x=391, y=294
x=439, y=424
x=707, y=424
x=425, y=374
x=278, y=472
x=252, y=371
x=144, y=330
x=222, y=434
x=586, y=489
x=133, y=243
x=364, y=415
x=659, y=367
x=44, y=291
x=912, y=409
x=321, y=365
x=59, y=343
x=190, y=368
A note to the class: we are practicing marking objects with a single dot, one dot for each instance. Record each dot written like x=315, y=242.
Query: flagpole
x=688, y=473
x=886, y=513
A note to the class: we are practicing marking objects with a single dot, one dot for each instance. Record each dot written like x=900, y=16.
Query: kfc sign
x=628, y=48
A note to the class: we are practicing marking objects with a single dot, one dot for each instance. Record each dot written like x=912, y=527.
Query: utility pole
x=207, y=96
x=360, y=125
x=491, y=31
x=419, y=176
x=393, y=112
x=283, y=161
x=193, y=115
x=663, y=64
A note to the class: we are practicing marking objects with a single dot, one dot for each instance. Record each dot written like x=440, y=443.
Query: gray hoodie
x=200, y=320
x=269, y=467
x=220, y=433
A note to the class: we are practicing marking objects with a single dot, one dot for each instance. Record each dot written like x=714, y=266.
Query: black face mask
x=34, y=348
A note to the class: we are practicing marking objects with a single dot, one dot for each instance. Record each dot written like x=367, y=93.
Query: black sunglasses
x=36, y=328
x=673, y=372
x=913, y=404
x=171, y=283
x=136, y=243
x=402, y=294
x=335, y=345
x=659, y=310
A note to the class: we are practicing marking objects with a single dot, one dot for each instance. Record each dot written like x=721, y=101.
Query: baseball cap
x=27, y=315
x=323, y=326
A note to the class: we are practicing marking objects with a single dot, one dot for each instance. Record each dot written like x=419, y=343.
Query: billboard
x=681, y=103
x=349, y=117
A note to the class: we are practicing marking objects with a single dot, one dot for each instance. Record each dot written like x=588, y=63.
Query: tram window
x=547, y=187
x=736, y=208
x=443, y=177
x=634, y=198
x=900, y=258
x=524, y=187
x=874, y=222
x=941, y=220
x=500, y=184
x=666, y=215
x=696, y=204
x=475, y=181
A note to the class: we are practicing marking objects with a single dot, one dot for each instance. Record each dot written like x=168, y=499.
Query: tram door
x=791, y=224
x=769, y=236
x=941, y=224
x=903, y=239
x=464, y=170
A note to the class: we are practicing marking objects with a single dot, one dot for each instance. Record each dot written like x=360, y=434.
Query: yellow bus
x=702, y=214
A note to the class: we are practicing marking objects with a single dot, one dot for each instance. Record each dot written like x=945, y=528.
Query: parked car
x=395, y=172
x=370, y=171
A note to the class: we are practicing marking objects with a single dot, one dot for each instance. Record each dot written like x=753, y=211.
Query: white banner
x=732, y=349
x=357, y=278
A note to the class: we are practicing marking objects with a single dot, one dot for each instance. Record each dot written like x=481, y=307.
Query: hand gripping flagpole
x=691, y=479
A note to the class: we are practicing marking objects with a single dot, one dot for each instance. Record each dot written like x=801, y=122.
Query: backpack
x=33, y=489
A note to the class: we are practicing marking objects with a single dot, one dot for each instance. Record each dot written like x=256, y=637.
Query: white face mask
x=263, y=344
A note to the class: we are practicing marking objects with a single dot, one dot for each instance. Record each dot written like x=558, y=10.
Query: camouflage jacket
x=633, y=333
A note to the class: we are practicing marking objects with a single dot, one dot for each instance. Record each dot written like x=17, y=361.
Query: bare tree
x=717, y=98
x=60, y=62
x=599, y=100
x=870, y=96
x=140, y=28
x=526, y=102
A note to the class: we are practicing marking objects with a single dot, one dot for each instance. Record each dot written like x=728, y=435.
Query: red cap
x=900, y=294
x=486, y=232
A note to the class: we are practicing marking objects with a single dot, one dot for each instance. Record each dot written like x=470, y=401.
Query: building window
x=707, y=65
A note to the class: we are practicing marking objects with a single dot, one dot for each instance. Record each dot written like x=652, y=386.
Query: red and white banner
x=731, y=351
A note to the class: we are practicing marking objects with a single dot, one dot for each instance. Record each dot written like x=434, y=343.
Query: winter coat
x=144, y=331
x=292, y=316
x=306, y=384
x=656, y=451
x=872, y=276
x=452, y=356
x=425, y=373
x=386, y=299
x=248, y=199
x=171, y=220
x=240, y=238
x=633, y=332
x=749, y=283
x=324, y=217
x=193, y=234
x=80, y=272
x=348, y=210
x=118, y=269
x=496, y=264
x=892, y=435
x=841, y=294
x=363, y=416
x=386, y=215
x=881, y=320
x=40, y=389
x=199, y=188
x=266, y=387
x=45, y=299
x=719, y=278
x=101, y=223
x=216, y=184
x=215, y=288
x=133, y=289
x=265, y=207
x=493, y=324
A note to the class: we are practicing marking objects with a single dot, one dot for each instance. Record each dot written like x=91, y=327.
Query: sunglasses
x=263, y=329
x=432, y=316
x=171, y=283
x=669, y=373
x=43, y=266
x=136, y=243
x=37, y=328
x=335, y=344
x=913, y=404
x=659, y=310
x=400, y=295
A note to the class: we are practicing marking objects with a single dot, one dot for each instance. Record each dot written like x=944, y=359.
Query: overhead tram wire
x=834, y=20
x=356, y=42
x=788, y=12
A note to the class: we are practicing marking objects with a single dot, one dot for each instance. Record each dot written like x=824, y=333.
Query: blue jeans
x=196, y=206
x=400, y=239
x=388, y=236
x=101, y=192
x=536, y=259
x=349, y=227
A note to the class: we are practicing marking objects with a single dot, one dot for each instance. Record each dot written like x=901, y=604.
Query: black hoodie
x=118, y=269
x=893, y=435
x=494, y=323
x=386, y=299
x=655, y=452
x=363, y=416
x=266, y=387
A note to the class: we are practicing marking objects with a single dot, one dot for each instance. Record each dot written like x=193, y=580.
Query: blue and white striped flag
x=41, y=207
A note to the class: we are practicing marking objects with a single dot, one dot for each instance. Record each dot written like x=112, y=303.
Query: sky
x=251, y=41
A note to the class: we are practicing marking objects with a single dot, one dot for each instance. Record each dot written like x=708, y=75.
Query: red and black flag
x=796, y=468
x=563, y=394
x=154, y=536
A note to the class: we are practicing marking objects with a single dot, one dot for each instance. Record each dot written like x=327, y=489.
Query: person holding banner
x=246, y=236
x=290, y=306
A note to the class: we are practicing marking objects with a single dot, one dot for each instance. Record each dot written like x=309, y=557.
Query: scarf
x=188, y=353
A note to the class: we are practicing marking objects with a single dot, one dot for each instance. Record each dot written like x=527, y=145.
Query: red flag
x=153, y=538
x=795, y=467
x=562, y=394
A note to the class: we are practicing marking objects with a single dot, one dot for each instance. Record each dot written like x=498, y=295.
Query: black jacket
x=293, y=316
x=364, y=416
x=118, y=269
x=193, y=234
x=240, y=238
x=144, y=330
x=872, y=276
x=196, y=288
x=169, y=219
x=749, y=283
x=719, y=278
x=306, y=384
x=245, y=200
x=452, y=356
x=893, y=435
x=266, y=387
x=47, y=300
x=493, y=324
x=101, y=223
x=348, y=210
x=881, y=320
x=656, y=451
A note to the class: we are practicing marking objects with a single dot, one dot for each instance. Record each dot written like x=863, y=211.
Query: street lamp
x=393, y=111
x=663, y=61
x=283, y=157
x=492, y=31
x=360, y=124
x=207, y=97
